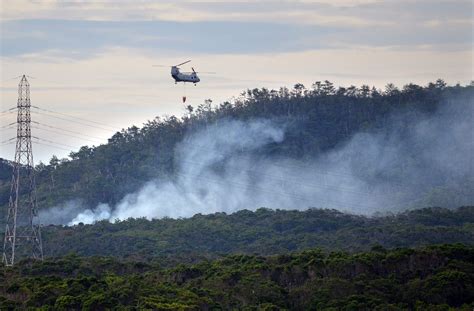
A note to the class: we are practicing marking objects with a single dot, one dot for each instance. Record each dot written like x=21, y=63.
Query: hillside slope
x=264, y=232
x=315, y=121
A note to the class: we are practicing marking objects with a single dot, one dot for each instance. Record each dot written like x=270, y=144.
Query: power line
x=5, y=144
x=8, y=126
x=52, y=142
x=7, y=112
x=74, y=121
x=59, y=133
x=74, y=117
x=14, y=78
x=10, y=110
x=7, y=140
x=69, y=131
x=48, y=145
x=11, y=124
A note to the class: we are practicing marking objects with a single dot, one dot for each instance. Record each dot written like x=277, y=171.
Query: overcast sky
x=93, y=59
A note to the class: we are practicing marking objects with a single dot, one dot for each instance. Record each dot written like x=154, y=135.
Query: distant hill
x=263, y=232
x=429, y=278
x=315, y=119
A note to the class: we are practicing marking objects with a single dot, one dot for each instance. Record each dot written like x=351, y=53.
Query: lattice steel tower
x=22, y=232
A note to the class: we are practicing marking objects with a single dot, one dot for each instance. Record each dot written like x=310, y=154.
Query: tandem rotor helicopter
x=184, y=77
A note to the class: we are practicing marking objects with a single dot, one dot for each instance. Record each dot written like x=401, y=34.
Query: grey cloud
x=251, y=27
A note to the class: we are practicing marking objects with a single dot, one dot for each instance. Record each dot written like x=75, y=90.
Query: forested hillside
x=263, y=232
x=430, y=278
x=172, y=242
x=315, y=120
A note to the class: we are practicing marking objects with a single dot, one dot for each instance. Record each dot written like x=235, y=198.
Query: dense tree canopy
x=263, y=232
x=431, y=278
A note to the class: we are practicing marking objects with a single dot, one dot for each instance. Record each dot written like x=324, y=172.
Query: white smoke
x=200, y=186
x=60, y=215
x=220, y=170
x=102, y=211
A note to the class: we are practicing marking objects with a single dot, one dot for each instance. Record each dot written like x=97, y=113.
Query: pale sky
x=93, y=59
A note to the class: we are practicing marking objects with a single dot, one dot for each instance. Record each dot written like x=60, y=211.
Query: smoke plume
x=415, y=161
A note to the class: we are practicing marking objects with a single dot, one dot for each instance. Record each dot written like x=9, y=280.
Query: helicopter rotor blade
x=193, y=69
x=183, y=63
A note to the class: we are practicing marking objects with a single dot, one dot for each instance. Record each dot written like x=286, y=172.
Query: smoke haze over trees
x=358, y=150
x=264, y=232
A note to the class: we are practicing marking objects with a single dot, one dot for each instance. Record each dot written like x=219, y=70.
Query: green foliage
x=434, y=278
x=262, y=232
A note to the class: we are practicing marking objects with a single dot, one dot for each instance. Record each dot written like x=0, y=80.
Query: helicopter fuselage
x=179, y=76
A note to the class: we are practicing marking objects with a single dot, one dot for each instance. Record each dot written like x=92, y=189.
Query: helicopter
x=179, y=76
x=184, y=77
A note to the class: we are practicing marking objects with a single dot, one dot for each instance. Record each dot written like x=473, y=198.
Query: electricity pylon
x=22, y=232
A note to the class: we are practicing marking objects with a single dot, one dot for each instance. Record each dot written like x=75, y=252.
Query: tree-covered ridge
x=430, y=278
x=263, y=232
x=316, y=119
